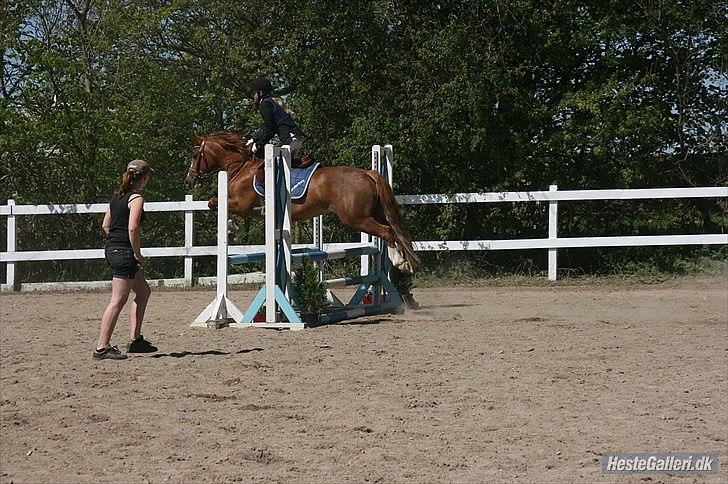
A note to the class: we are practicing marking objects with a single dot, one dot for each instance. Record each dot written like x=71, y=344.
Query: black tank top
x=119, y=230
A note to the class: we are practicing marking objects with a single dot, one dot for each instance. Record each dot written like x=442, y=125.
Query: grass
x=465, y=273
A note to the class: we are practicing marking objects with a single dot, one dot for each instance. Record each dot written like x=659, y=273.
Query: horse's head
x=204, y=162
x=213, y=153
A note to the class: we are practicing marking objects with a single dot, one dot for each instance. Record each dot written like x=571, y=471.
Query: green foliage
x=310, y=293
x=475, y=96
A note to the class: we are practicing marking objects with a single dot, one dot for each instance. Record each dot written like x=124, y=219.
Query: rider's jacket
x=277, y=122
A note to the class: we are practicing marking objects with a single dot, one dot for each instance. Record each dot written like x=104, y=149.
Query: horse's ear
x=195, y=139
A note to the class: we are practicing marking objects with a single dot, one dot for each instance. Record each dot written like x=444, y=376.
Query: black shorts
x=122, y=262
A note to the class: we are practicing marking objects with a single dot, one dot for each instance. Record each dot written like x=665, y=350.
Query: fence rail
x=571, y=195
x=551, y=243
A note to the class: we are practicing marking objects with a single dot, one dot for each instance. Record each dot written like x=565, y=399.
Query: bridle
x=199, y=168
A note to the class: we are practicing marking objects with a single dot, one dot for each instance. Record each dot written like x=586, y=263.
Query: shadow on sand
x=182, y=354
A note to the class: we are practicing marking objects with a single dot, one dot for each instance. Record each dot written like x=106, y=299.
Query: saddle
x=303, y=162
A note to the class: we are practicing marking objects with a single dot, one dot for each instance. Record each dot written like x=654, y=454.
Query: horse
x=361, y=199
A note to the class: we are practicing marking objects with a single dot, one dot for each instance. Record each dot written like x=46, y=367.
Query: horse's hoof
x=409, y=302
x=405, y=266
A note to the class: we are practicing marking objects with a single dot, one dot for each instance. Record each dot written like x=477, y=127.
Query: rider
x=277, y=119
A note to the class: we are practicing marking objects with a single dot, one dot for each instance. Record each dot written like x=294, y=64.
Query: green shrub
x=310, y=293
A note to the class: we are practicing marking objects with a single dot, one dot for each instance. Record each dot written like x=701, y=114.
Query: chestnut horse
x=362, y=199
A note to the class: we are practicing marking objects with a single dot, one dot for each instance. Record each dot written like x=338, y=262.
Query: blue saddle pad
x=300, y=178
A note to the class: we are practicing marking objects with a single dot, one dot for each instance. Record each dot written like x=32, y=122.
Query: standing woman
x=123, y=253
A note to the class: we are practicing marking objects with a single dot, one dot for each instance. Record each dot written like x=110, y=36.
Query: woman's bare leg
x=119, y=294
x=142, y=292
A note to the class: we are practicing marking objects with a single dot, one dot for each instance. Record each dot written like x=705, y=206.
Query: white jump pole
x=285, y=275
x=366, y=238
x=221, y=311
x=318, y=241
x=376, y=261
x=270, y=234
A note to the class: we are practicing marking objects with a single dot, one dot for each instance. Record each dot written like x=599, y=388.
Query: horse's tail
x=391, y=213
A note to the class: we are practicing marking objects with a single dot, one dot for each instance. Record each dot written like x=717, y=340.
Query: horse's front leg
x=244, y=211
x=244, y=208
x=212, y=203
x=235, y=207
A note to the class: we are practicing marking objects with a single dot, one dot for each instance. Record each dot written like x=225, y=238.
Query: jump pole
x=221, y=312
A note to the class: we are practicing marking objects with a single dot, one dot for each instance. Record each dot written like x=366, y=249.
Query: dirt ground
x=516, y=383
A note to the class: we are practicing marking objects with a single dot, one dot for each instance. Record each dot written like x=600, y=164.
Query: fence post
x=553, y=233
x=189, y=218
x=11, y=234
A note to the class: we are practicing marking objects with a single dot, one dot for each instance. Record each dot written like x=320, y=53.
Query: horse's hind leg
x=371, y=226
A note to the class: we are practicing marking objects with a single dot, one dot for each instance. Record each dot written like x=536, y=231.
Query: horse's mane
x=229, y=141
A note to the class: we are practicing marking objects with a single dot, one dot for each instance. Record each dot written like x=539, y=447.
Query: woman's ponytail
x=127, y=180
x=283, y=105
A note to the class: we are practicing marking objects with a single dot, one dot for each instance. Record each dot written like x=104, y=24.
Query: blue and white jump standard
x=276, y=295
x=375, y=266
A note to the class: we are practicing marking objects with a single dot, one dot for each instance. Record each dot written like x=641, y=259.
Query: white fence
x=551, y=242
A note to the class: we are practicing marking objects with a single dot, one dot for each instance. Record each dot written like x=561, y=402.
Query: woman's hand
x=139, y=258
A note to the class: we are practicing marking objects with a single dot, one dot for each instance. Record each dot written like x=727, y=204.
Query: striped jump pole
x=314, y=254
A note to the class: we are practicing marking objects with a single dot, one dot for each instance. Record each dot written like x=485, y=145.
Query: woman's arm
x=106, y=224
x=136, y=207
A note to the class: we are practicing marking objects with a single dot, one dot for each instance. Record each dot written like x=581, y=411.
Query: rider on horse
x=277, y=119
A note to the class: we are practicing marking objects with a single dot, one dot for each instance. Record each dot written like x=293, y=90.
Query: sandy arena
x=489, y=383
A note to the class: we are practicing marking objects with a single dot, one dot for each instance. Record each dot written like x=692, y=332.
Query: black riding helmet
x=260, y=84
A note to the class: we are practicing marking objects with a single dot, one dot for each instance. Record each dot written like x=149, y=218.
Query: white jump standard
x=221, y=311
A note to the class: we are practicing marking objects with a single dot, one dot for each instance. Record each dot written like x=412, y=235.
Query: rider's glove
x=254, y=147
